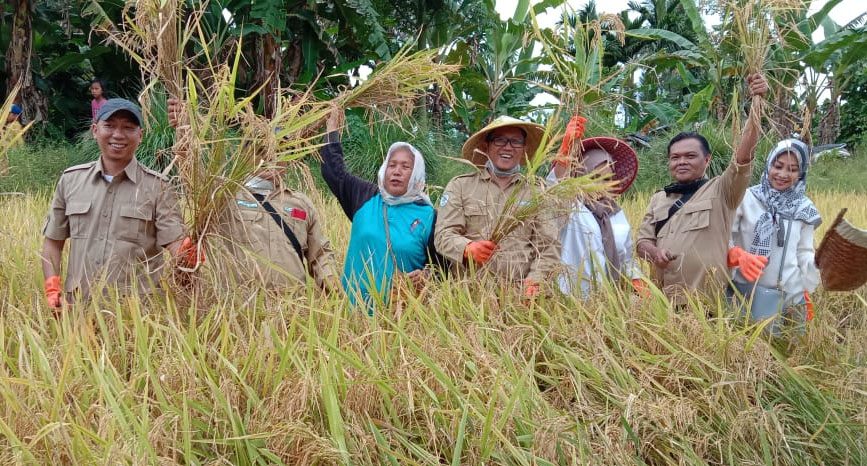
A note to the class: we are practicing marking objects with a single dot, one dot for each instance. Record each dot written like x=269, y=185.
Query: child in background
x=97, y=90
x=13, y=125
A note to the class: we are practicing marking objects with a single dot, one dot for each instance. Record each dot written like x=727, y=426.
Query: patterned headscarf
x=792, y=204
x=415, y=188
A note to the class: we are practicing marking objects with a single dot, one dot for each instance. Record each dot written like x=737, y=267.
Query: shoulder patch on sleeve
x=444, y=200
x=153, y=172
x=82, y=166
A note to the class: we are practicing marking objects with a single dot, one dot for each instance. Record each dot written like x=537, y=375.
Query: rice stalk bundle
x=389, y=93
x=551, y=200
x=753, y=27
x=578, y=77
x=220, y=141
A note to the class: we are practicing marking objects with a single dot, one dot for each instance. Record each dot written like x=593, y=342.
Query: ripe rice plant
x=220, y=141
x=578, y=77
x=753, y=27
x=470, y=376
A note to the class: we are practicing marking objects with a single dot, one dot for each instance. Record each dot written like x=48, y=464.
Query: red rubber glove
x=54, y=292
x=751, y=265
x=188, y=252
x=531, y=288
x=574, y=130
x=480, y=251
x=809, y=302
x=641, y=287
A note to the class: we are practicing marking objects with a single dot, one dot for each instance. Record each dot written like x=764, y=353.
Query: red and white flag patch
x=294, y=212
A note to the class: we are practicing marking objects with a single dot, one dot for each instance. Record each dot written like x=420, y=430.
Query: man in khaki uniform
x=261, y=246
x=686, y=229
x=260, y=240
x=471, y=205
x=117, y=214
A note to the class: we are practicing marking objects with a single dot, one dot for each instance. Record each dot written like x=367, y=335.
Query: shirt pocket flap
x=474, y=209
x=696, y=214
x=138, y=212
x=77, y=207
x=697, y=205
x=660, y=213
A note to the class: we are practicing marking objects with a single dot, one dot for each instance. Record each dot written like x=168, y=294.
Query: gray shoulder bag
x=762, y=303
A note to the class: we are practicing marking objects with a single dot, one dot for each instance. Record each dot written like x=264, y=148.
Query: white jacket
x=799, y=270
x=583, y=254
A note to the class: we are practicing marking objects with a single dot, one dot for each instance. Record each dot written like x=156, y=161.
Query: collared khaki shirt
x=468, y=211
x=115, y=229
x=698, y=234
x=262, y=251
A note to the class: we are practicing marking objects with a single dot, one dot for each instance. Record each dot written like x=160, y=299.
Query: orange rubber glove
x=574, y=130
x=641, y=287
x=188, y=252
x=531, y=288
x=809, y=302
x=54, y=292
x=480, y=251
x=751, y=265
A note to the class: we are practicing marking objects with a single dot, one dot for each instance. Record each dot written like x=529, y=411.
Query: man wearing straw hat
x=686, y=229
x=117, y=214
x=471, y=205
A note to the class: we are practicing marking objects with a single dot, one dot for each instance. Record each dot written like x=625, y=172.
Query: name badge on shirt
x=248, y=204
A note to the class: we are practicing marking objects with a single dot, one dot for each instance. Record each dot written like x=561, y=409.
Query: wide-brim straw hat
x=842, y=256
x=472, y=148
x=625, y=159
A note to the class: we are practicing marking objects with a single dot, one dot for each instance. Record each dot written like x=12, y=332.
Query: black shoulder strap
x=279, y=220
x=673, y=210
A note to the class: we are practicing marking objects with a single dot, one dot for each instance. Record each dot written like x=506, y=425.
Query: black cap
x=115, y=105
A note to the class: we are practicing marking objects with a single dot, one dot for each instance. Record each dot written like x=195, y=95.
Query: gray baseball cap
x=111, y=106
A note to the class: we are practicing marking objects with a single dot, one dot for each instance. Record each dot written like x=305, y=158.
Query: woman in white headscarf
x=392, y=221
x=771, y=211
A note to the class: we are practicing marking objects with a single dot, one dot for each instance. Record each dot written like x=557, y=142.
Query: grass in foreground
x=473, y=376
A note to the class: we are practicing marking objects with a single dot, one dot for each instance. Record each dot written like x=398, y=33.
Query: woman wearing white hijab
x=392, y=221
x=771, y=211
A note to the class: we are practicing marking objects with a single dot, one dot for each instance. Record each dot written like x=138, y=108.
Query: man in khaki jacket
x=116, y=213
x=272, y=233
x=471, y=205
x=259, y=243
x=686, y=229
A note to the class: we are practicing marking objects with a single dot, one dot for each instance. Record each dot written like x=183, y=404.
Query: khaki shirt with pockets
x=469, y=209
x=115, y=229
x=698, y=234
x=262, y=251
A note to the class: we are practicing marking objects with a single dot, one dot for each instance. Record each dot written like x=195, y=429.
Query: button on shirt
x=698, y=234
x=469, y=209
x=260, y=247
x=115, y=229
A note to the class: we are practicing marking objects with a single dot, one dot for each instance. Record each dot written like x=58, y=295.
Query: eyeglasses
x=500, y=141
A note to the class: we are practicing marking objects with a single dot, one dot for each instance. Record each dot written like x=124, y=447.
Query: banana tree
x=843, y=51
x=499, y=78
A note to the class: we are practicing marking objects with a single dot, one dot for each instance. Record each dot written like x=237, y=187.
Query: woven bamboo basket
x=842, y=256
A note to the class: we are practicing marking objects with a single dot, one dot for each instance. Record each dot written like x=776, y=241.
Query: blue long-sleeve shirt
x=369, y=267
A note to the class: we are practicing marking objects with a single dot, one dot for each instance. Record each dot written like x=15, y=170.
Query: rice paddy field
x=471, y=374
